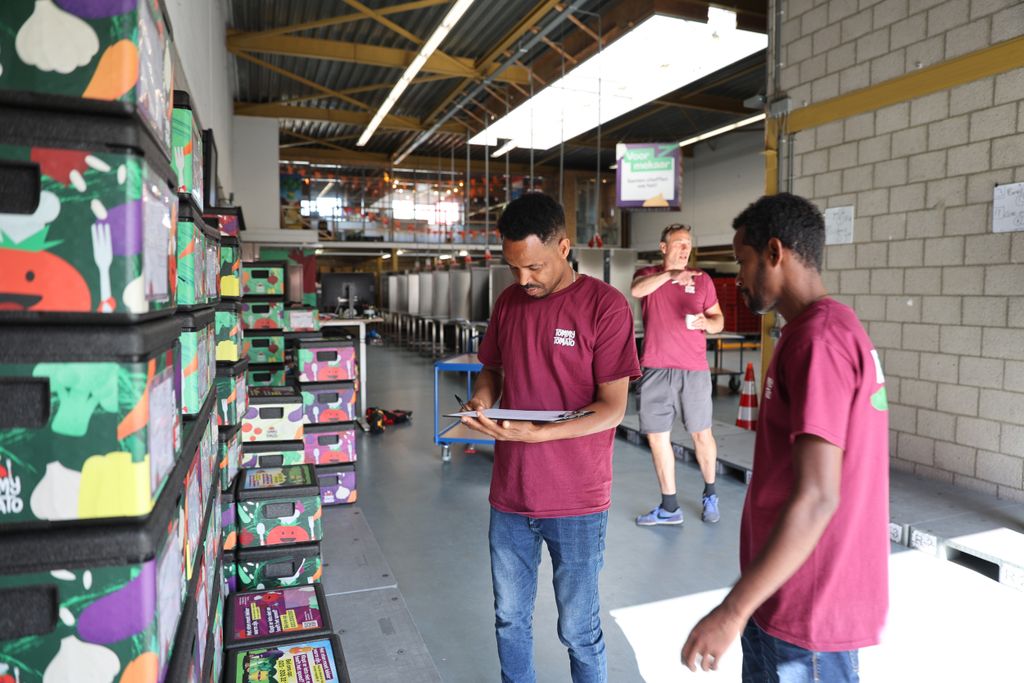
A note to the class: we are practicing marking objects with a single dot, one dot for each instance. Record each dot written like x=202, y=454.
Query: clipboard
x=499, y=414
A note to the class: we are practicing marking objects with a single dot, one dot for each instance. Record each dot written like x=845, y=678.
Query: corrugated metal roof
x=482, y=27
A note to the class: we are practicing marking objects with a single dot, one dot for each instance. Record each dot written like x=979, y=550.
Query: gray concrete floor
x=430, y=519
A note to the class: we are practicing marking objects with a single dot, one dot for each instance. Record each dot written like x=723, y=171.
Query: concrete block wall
x=941, y=295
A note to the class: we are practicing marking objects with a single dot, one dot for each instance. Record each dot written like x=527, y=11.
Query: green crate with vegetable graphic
x=273, y=453
x=229, y=332
x=278, y=506
x=263, y=278
x=230, y=268
x=197, y=242
x=232, y=393
x=262, y=314
x=98, y=56
x=187, y=148
x=230, y=460
x=266, y=376
x=97, y=429
x=263, y=348
x=198, y=362
x=89, y=235
x=97, y=601
x=277, y=566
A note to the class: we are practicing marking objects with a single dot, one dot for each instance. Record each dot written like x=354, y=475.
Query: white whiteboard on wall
x=1008, y=208
x=839, y=225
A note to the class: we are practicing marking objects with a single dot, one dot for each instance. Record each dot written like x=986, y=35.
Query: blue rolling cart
x=455, y=432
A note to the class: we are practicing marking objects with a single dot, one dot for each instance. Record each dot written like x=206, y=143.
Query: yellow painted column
x=771, y=186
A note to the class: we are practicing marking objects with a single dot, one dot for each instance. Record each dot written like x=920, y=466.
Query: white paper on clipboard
x=527, y=415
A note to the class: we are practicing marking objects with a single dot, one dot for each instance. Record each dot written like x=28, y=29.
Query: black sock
x=709, y=489
x=669, y=502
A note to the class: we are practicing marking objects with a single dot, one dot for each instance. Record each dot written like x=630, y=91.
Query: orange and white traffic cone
x=747, y=418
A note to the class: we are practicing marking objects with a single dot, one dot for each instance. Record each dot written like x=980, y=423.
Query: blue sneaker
x=710, y=513
x=659, y=515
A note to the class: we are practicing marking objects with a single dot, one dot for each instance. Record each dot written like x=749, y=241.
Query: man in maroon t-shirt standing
x=814, y=542
x=556, y=341
x=679, y=305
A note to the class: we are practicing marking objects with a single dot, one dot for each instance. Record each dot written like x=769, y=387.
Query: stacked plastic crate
x=263, y=321
x=105, y=492
x=198, y=295
x=290, y=623
x=327, y=372
x=232, y=390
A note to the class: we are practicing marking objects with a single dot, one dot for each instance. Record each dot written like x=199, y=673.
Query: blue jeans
x=766, y=659
x=576, y=545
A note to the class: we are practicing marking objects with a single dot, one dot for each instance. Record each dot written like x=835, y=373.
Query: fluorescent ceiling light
x=723, y=129
x=657, y=57
x=428, y=48
x=385, y=256
x=444, y=257
x=324, y=191
x=504, y=149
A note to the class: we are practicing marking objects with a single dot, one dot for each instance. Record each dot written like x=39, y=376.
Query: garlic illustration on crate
x=54, y=40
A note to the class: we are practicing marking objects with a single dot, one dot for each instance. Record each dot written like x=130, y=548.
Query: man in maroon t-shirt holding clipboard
x=556, y=341
x=679, y=306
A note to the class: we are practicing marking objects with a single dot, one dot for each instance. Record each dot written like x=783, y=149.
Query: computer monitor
x=345, y=286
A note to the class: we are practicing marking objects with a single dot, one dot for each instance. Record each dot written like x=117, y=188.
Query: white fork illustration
x=179, y=165
x=103, y=255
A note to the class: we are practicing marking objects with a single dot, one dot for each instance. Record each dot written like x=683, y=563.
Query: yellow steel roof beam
x=372, y=55
x=341, y=116
x=345, y=18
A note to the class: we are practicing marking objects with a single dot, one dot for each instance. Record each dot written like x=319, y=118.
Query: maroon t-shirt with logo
x=825, y=379
x=667, y=341
x=554, y=352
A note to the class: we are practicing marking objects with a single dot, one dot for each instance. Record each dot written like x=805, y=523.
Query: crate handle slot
x=271, y=413
x=280, y=570
x=28, y=611
x=24, y=402
x=270, y=460
x=327, y=355
x=20, y=187
x=278, y=510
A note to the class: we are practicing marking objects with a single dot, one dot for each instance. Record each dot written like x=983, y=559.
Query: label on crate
x=302, y=320
x=312, y=660
x=275, y=477
x=163, y=427
x=156, y=243
x=284, y=611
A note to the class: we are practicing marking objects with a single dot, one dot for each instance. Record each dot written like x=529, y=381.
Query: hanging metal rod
x=525, y=47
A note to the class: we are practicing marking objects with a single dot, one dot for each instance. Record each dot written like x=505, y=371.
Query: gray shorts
x=667, y=393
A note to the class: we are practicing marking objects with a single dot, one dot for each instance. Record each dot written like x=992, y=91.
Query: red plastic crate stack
x=738, y=318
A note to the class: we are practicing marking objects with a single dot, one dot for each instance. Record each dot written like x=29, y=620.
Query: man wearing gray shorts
x=679, y=305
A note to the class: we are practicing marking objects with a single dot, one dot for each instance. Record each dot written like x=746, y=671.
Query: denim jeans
x=766, y=659
x=576, y=545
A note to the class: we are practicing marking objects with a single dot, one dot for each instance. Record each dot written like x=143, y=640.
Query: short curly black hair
x=795, y=221
x=532, y=214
